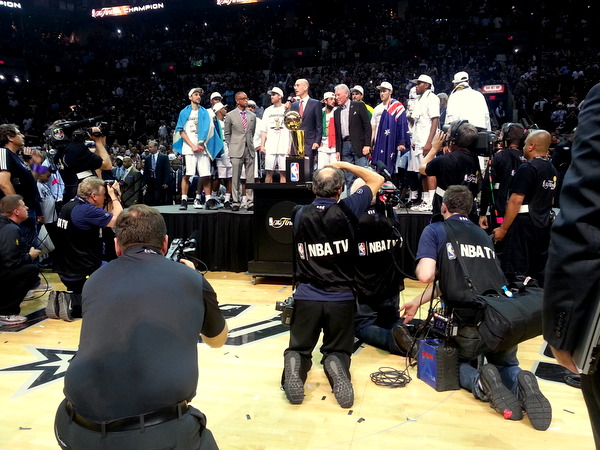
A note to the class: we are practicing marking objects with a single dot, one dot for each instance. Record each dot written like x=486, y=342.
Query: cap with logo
x=195, y=90
x=385, y=85
x=327, y=95
x=423, y=78
x=358, y=88
x=275, y=90
x=216, y=95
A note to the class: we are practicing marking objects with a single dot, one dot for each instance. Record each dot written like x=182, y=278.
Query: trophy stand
x=297, y=167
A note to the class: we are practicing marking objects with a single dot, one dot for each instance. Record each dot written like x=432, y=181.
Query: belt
x=129, y=423
x=346, y=139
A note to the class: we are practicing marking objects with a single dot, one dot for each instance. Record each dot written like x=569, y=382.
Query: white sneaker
x=12, y=319
x=197, y=204
x=422, y=207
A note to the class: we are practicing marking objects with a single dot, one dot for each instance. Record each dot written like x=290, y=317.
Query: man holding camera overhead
x=457, y=166
x=325, y=249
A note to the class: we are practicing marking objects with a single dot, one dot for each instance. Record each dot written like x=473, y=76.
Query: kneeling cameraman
x=501, y=382
x=79, y=242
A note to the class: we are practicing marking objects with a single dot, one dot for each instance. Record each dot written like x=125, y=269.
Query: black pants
x=336, y=319
x=187, y=432
x=15, y=284
x=590, y=386
x=525, y=249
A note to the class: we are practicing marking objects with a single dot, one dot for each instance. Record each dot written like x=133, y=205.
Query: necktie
x=301, y=108
x=154, y=163
x=244, y=120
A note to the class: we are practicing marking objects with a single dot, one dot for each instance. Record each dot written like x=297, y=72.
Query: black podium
x=272, y=226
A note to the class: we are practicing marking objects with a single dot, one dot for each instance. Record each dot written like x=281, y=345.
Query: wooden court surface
x=239, y=389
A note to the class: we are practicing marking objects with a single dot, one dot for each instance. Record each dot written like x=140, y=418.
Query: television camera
x=180, y=248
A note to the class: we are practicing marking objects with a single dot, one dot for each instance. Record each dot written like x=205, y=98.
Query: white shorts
x=224, y=167
x=197, y=164
x=325, y=156
x=272, y=161
x=416, y=158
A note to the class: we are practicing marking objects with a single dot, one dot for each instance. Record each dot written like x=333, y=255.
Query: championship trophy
x=297, y=166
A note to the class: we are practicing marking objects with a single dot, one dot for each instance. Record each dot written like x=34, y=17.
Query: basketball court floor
x=239, y=388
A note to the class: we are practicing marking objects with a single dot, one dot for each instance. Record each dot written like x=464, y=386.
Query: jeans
x=349, y=155
x=373, y=323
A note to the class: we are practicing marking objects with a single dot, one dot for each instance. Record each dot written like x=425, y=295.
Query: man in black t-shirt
x=457, y=166
x=136, y=369
x=526, y=226
x=499, y=175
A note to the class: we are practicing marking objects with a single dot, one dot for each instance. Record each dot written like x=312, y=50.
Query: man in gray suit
x=131, y=183
x=239, y=127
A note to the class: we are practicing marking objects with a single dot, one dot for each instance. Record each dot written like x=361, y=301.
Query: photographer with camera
x=78, y=241
x=499, y=174
x=457, y=166
x=325, y=257
x=444, y=259
x=136, y=369
x=77, y=160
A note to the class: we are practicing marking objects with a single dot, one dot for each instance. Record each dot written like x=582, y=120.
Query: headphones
x=506, y=129
x=454, y=131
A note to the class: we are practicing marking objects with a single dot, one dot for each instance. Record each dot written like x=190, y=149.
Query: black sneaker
x=212, y=204
x=183, y=204
x=501, y=399
x=235, y=208
x=227, y=205
x=293, y=385
x=536, y=406
x=404, y=340
x=342, y=387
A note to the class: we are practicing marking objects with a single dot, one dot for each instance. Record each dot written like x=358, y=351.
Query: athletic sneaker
x=12, y=319
x=536, y=406
x=404, y=340
x=30, y=295
x=342, y=387
x=198, y=204
x=293, y=385
x=184, y=204
x=227, y=205
x=501, y=398
x=53, y=307
x=422, y=207
x=213, y=203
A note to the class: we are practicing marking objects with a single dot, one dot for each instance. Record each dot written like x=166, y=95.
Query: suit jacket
x=162, y=170
x=359, y=126
x=235, y=136
x=132, y=188
x=571, y=282
x=312, y=123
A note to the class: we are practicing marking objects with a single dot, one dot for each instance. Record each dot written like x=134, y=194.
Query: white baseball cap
x=218, y=106
x=198, y=89
x=215, y=95
x=327, y=95
x=275, y=90
x=385, y=85
x=423, y=78
x=358, y=89
x=459, y=77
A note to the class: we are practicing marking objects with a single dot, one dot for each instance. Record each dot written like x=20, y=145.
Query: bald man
x=526, y=226
x=312, y=120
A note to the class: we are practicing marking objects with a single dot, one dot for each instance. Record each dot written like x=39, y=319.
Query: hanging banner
x=125, y=10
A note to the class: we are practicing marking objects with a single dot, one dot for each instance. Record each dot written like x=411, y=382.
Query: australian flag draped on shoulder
x=392, y=132
x=206, y=132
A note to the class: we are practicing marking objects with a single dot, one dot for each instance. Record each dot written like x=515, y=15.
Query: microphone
x=382, y=170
